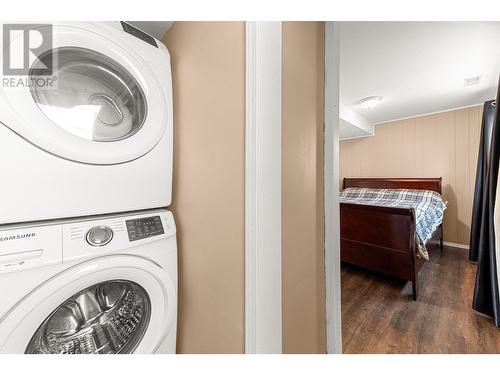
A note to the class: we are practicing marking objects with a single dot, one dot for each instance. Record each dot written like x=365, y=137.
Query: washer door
x=116, y=304
x=106, y=105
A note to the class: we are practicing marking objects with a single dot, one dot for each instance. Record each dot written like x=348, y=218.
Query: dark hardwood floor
x=379, y=315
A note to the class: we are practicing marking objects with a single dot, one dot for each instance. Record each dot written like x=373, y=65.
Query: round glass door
x=106, y=318
x=93, y=97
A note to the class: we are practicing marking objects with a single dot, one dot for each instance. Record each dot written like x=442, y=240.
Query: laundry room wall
x=302, y=188
x=208, y=69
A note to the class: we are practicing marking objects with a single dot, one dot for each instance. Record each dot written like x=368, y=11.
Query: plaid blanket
x=429, y=208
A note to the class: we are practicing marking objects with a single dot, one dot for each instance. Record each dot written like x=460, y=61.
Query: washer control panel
x=144, y=227
x=115, y=233
x=99, y=236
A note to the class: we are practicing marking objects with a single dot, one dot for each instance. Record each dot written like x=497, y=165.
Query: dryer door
x=104, y=106
x=116, y=304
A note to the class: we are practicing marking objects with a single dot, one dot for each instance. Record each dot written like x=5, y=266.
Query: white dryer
x=105, y=284
x=100, y=139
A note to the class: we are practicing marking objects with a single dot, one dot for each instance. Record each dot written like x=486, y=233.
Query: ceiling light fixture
x=370, y=101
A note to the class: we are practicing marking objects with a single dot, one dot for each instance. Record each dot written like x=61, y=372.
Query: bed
x=384, y=239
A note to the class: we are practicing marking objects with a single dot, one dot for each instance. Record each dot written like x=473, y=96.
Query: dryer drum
x=106, y=318
x=113, y=116
x=95, y=97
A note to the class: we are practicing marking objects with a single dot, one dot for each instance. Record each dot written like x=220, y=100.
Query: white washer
x=105, y=284
x=100, y=140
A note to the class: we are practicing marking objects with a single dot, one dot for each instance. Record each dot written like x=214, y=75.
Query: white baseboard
x=452, y=244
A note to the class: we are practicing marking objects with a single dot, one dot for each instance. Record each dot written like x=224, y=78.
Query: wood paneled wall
x=440, y=145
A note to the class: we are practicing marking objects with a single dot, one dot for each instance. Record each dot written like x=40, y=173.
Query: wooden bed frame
x=382, y=239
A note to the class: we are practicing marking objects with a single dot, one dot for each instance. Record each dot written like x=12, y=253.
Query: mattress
x=429, y=208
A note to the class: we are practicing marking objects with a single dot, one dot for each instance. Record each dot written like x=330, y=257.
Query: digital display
x=128, y=28
x=139, y=229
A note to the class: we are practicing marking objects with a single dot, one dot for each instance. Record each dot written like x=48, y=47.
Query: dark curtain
x=480, y=190
x=486, y=293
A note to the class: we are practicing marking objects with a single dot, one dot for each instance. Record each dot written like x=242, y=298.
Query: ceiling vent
x=472, y=81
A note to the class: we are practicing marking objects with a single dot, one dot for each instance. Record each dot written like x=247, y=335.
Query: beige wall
x=302, y=188
x=208, y=197
x=440, y=145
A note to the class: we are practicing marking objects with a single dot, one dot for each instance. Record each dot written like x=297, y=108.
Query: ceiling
x=418, y=67
x=153, y=28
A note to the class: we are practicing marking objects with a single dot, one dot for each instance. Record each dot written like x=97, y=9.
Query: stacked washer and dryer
x=88, y=256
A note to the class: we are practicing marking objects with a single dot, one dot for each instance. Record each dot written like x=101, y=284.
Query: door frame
x=331, y=178
x=263, y=296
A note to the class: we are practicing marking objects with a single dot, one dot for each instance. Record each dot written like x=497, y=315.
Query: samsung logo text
x=17, y=237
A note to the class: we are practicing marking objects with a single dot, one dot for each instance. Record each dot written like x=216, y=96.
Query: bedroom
x=401, y=130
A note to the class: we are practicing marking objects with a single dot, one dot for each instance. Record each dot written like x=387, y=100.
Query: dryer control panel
x=132, y=30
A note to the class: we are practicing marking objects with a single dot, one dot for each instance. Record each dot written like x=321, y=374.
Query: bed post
x=414, y=287
x=414, y=276
x=413, y=260
x=441, y=239
x=441, y=226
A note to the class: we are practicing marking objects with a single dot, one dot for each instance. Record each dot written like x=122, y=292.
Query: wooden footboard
x=381, y=239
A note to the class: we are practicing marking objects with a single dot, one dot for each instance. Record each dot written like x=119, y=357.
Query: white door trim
x=263, y=301
x=332, y=213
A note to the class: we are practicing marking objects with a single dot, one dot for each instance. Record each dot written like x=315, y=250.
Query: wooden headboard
x=433, y=184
